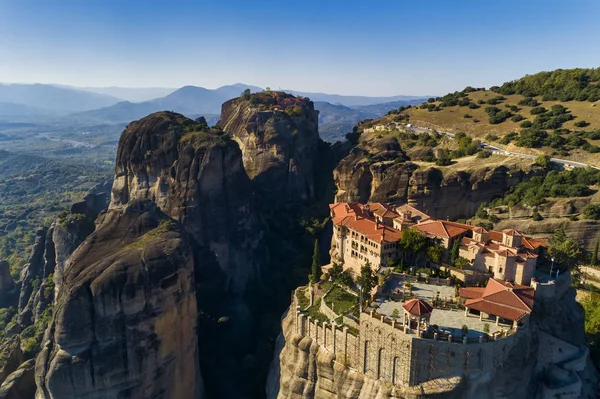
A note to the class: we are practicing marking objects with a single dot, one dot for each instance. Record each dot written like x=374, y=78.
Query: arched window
x=394, y=369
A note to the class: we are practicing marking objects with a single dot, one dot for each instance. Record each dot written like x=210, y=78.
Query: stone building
x=500, y=301
x=363, y=233
x=371, y=232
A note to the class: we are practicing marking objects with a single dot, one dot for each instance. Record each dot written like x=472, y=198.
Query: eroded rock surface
x=278, y=135
x=196, y=176
x=125, y=320
x=378, y=169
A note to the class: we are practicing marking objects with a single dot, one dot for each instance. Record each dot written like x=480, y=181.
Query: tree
x=396, y=313
x=316, y=264
x=565, y=251
x=413, y=243
x=454, y=251
x=594, y=259
x=336, y=271
x=461, y=262
x=434, y=253
x=246, y=94
x=366, y=280
x=543, y=161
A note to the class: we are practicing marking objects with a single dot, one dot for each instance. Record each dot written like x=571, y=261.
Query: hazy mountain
x=14, y=109
x=188, y=100
x=132, y=94
x=351, y=101
x=49, y=97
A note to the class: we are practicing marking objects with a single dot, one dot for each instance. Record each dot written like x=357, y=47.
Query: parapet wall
x=383, y=350
x=555, y=288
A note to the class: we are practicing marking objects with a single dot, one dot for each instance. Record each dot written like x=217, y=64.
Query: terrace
x=448, y=316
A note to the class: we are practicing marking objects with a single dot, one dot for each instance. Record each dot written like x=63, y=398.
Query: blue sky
x=364, y=47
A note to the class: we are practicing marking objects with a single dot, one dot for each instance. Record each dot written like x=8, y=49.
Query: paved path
x=497, y=150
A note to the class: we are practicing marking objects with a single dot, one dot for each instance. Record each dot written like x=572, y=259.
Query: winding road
x=496, y=150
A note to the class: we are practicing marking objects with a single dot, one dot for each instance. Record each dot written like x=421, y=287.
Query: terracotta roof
x=500, y=298
x=511, y=232
x=383, y=210
x=417, y=307
x=471, y=292
x=480, y=230
x=495, y=235
x=443, y=228
x=533, y=243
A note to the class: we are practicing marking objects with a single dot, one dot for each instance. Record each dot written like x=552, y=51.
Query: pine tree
x=316, y=264
x=594, y=259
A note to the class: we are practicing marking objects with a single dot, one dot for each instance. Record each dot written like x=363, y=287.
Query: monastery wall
x=383, y=350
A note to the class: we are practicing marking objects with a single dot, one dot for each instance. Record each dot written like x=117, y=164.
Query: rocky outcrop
x=11, y=356
x=125, y=320
x=549, y=358
x=196, y=176
x=278, y=135
x=20, y=384
x=378, y=170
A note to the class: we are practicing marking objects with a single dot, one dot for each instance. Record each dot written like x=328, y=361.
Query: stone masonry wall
x=383, y=350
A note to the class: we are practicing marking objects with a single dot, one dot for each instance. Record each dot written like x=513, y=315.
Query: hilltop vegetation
x=550, y=112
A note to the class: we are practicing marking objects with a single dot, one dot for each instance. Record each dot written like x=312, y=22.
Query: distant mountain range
x=64, y=104
x=52, y=99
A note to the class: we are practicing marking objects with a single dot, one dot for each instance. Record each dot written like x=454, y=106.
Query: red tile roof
x=500, y=298
x=417, y=307
x=443, y=228
x=383, y=210
x=471, y=292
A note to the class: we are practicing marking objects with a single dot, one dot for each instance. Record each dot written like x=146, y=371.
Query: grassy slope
x=452, y=119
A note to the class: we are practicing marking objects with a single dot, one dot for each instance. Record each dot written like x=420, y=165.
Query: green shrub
x=581, y=123
x=526, y=124
x=538, y=110
x=517, y=118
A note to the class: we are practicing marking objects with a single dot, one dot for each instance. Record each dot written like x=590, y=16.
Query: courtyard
x=449, y=320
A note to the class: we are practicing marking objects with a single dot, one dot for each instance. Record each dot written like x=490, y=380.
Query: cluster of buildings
x=371, y=232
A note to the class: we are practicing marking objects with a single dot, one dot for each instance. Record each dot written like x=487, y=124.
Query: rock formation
x=195, y=176
x=125, y=320
x=278, y=135
x=20, y=384
x=548, y=359
x=378, y=170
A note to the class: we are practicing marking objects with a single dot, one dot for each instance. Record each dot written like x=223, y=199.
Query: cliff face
x=278, y=135
x=125, y=319
x=378, y=170
x=197, y=177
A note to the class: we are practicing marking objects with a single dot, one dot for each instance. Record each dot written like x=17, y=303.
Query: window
x=500, y=270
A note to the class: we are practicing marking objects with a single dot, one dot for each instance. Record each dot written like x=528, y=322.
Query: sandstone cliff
x=379, y=170
x=125, y=319
x=278, y=135
x=194, y=175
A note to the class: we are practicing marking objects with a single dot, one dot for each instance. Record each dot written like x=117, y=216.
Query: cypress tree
x=454, y=252
x=316, y=264
x=594, y=259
